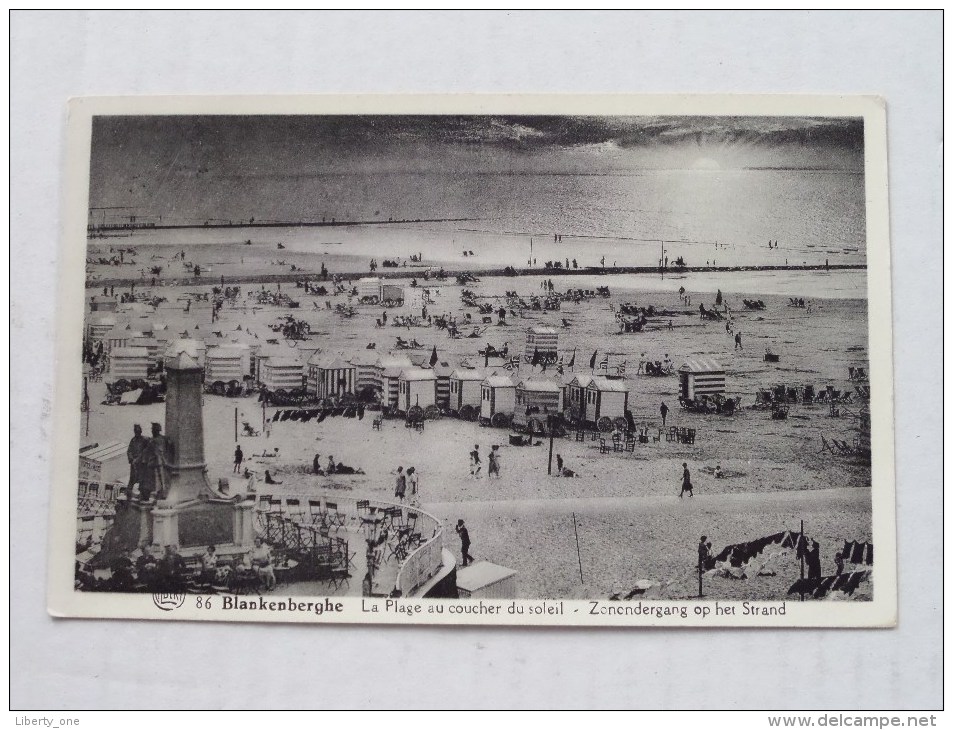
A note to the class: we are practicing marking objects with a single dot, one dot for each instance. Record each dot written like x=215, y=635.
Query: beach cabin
x=365, y=371
x=103, y=464
x=128, y=363
x=119, y=337
x=285, y=373
x=226, y=363
x=369, y=290
x=465, y=390
x=388, y=369
x=416, y=387
x=103, y=304
x=392, y=294
x=98, y=324
x=574, y=396
x=484, y=579
x=605, y=398
x=331, y=377
x=700, y=376
x=498, y=398
x=153, y=348
x=443, y=369
x=542, y=340
x=536, y=399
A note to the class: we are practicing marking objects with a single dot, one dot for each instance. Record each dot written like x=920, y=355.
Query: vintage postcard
x=544, y=360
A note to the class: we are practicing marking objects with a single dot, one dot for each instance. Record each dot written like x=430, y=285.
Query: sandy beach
x=630, y=521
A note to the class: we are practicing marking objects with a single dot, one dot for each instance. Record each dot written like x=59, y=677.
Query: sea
x=723, y=218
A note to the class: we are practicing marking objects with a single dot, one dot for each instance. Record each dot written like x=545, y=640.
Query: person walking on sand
x=475, y=464
x=400, y=488
x=559, y=465
x=738, y=345
x=686, y=482
x=464, y=534
x=494, y=463
x=663, y=409
x=239, y=458
x=413, y=482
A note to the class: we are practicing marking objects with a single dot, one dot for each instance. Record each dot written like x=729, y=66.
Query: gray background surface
x=122, y=664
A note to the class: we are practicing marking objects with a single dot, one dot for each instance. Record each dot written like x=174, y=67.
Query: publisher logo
x=168, y=601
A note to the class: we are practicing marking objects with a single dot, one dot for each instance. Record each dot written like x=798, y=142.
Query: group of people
x=333, y=467
x=476, y=463
x=407, y=485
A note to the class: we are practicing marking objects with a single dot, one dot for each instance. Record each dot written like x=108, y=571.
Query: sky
x=181, y=166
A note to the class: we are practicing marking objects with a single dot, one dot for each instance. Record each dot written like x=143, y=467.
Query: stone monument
x=189, y=511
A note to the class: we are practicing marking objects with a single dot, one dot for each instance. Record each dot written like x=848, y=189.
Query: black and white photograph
x=609, y=363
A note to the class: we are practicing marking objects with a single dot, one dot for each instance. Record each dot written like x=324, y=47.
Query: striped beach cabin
x=537, y=399
x=545, y=341
x=282, y=373
x=365, y=371
x=226, y=363
x=98, y=324
x=465, y=390
x=388, y=371
x=129, y=363
x=331, y=377
x=415, y=387
x=700, y=376
x=498, y=398
x=443, y=370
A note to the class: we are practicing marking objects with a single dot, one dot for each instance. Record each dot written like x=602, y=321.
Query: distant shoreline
x=417, y=272
x=140, y=227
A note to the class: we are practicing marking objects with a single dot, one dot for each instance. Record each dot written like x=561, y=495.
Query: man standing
x=686, y=482
x=137, y=444
x=663, y=409
x=239, y=458
x=151, y=462
x=738, y=341
x=464, y=543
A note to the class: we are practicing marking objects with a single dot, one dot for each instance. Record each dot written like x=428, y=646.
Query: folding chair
x=333, y=518
x=316, y=511
x=580, y=435
x=630, y=446
x=293, y=508
x=603, y=446
x=617, y=443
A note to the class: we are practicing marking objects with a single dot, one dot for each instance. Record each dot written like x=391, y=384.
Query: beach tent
x=498, y=398
x=605, y=398
x=331, y=376
x=700, y=376
x=541, y=342
x=416, y=387
x=128, y=363
x=536, y=399
x=465, y=389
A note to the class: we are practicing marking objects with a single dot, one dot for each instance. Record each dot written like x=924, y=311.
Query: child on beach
x=400, y=488
x=494, y=468
x=413, y=482
x=475, y=465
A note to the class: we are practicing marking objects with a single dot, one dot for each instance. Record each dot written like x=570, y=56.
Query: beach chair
x=603, y=446
x=617, y=442
x=580, y=435
x=293, y=509
x=378, y=422
x=672, y=435
x=335, y=518
x=316, y=511
x=630, y=446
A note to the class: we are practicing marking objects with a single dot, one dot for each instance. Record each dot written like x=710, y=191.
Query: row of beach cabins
x=133, y=342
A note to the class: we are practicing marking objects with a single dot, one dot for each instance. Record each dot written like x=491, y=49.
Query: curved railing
x=278, y=511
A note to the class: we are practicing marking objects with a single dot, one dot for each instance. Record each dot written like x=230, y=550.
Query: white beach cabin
x=465, y=390
x=498, y=400
x=605, y=398
x=416, y=387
